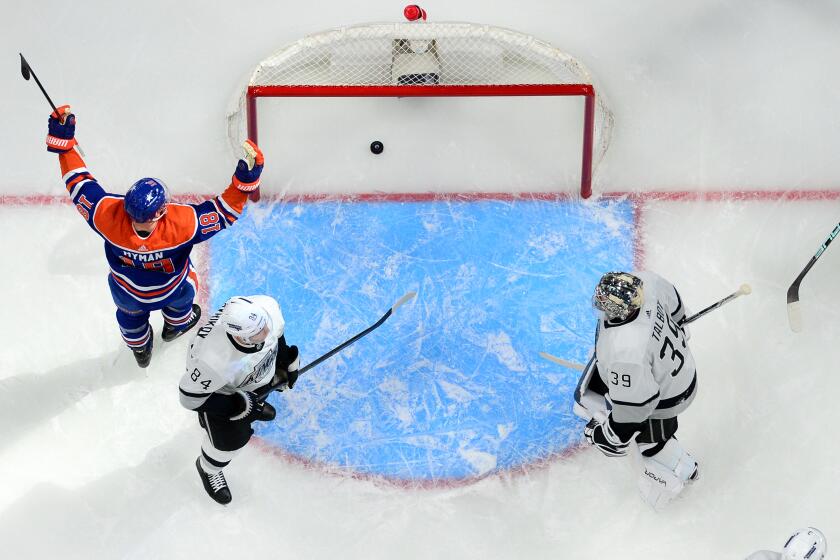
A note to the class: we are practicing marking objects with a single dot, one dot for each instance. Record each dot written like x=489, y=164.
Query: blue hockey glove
x=247, y=175
x=62, y=130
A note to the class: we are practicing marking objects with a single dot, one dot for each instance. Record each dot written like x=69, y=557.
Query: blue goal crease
x=451, y=386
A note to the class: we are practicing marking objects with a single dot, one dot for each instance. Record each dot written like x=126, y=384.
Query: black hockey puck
x=376, y=147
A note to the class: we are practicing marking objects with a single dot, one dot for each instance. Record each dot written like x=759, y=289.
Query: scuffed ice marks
x=499, y=344
x=451, y=386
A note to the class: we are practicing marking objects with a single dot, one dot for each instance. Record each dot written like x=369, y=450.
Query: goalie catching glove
x=246, y=178
x=602, y=434
x=61, y=130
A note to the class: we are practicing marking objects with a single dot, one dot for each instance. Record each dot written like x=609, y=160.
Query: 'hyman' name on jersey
x=659, y=323
x=144, y=257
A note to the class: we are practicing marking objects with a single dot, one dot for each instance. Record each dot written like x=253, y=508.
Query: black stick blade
x=25, y=71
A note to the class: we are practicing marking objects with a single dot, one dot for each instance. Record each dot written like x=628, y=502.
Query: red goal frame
x=485, y=90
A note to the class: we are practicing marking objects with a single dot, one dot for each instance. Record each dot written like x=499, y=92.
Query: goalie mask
x=618, y=295
x=246, y=321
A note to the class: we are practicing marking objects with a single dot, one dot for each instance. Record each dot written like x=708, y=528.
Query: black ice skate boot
x=267, y=414
x=215, y=484
x=170, y=333
x=144, y=355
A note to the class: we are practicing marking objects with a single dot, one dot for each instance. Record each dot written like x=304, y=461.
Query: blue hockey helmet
x=145, y=199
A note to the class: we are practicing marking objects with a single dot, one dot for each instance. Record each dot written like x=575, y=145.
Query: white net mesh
x=409, y=53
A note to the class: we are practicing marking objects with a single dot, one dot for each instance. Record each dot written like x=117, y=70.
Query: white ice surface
x=96, y=458
x=99, y=456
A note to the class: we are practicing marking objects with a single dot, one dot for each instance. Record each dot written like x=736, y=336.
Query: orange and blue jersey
x=148, y=269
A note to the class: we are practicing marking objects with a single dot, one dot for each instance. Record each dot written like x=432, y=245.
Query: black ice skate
x=171, y=333
x=144, y=355
x=215, y=484
x=267, y=414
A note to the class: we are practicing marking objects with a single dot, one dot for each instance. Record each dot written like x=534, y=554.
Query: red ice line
x=637, y=199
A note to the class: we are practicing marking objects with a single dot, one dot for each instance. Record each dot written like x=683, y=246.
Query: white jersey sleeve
x=198, y=383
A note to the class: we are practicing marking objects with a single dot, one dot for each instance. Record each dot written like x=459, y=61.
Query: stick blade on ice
x=793, y=308
x=794, y=316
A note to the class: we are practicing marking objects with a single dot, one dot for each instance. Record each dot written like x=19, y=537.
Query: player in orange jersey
x=148, y=238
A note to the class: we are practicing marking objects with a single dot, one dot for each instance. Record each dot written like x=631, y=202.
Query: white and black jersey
x=644, y=361
x=216, y=363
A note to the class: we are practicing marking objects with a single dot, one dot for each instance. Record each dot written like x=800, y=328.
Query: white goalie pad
x=665, y=475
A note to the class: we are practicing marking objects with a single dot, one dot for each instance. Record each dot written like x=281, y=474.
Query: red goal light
x=413, y=12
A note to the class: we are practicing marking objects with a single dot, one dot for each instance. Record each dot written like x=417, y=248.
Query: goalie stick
x=793, y=309
x=264, y=392
x=744, y=290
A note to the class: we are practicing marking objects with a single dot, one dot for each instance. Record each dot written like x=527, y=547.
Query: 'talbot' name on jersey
x=659, y=323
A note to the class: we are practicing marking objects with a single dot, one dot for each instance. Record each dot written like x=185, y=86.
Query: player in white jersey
x=240, y=350
x=805, y=544
x=641, y=376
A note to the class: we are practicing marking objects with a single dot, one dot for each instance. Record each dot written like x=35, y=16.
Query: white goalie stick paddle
x=561, y=361
x=793, y=309
x=744, y=290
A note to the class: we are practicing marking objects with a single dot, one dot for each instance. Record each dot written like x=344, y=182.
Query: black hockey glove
x=286, y=366
x=251, y=409
x=603, y=436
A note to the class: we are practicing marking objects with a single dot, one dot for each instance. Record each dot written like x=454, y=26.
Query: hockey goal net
x=423, y=59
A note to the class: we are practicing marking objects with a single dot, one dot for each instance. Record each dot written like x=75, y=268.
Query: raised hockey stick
x=26, y=71
x=271, y=388
x=744, y=290
x=793, y=309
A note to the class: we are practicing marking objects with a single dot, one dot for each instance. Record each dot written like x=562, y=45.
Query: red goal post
x=420, y=59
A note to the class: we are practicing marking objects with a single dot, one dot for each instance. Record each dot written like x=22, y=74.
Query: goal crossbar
x=481, y=90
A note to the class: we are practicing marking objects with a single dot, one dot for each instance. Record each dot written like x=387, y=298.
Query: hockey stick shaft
x=794, y=312
x=745, y=289
x=793, y=290
x=742, y=291
x=561, y=361
x=348, y=342
x=26, y=71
